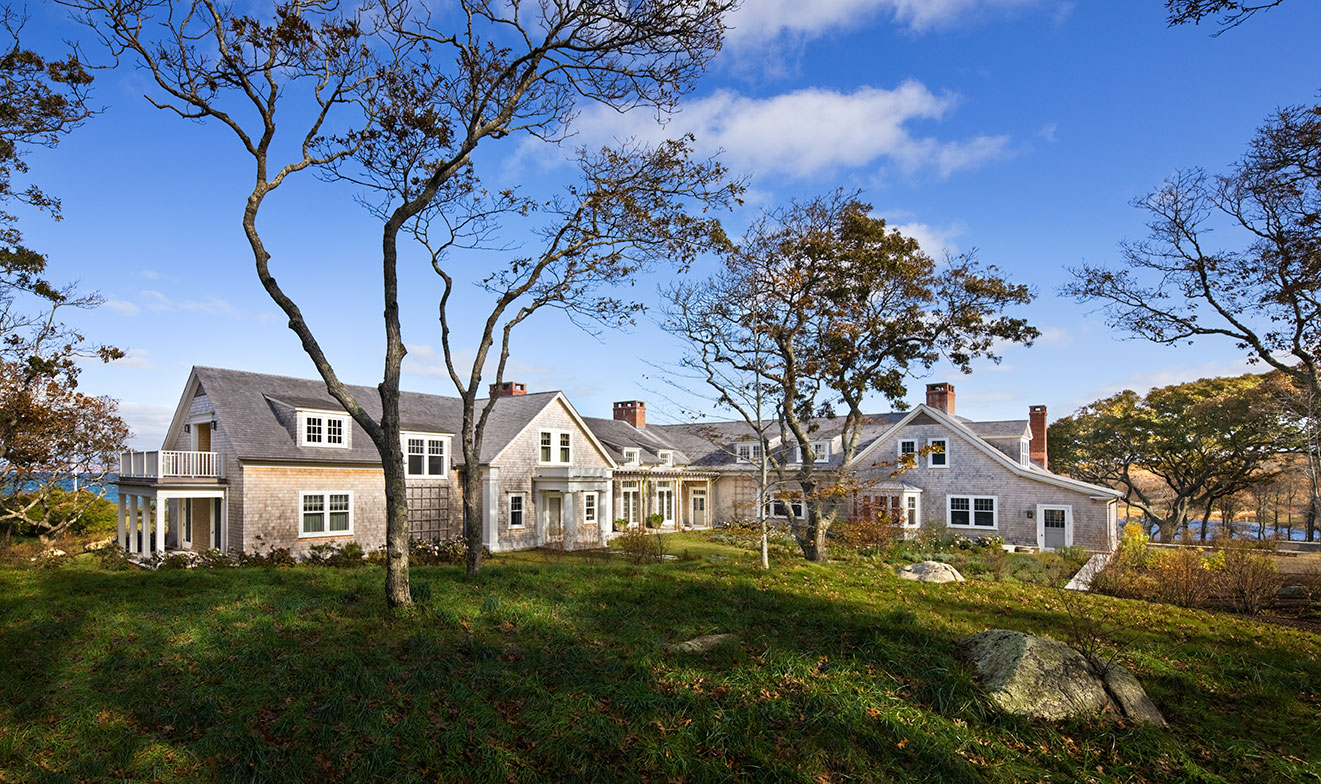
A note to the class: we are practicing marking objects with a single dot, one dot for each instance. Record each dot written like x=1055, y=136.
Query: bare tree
x=410, y=97
x=1228, y=13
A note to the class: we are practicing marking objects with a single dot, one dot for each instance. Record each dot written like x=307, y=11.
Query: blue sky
x=1021, y=128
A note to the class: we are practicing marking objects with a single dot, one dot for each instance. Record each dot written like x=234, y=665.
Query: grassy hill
x=556, y=670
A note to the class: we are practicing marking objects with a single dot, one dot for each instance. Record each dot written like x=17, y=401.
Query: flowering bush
x=961, y=542
x=431, y=552
x=991, y=541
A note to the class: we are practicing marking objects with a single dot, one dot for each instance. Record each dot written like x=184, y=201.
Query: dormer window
x=632, y=456
x=666, y=457
x=426, y=455
x=748, y=453
x=323, y=428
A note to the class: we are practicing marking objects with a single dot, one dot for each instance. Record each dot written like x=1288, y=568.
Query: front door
x=203, y=436
x=554, y=517
x=697, y=504
x=665, y=503
x=1054, y=523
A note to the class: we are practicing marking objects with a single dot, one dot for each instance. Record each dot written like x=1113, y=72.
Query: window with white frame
x=666, y=457
x=782, y=509
x=320, y=428
x=426, y=455
x=939, y=455
x=632, y=456
x=970, y=511
x=1024, y=451
x=908, y=446
x=517, y=511
x=630, y=499
x=556, y=447
x=910, y=511
x=822, y=451
x=325, y=513
x=749, y=452
x=589, y=508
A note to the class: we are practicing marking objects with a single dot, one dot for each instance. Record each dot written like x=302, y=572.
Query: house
x=253, y=462
x=977, y=478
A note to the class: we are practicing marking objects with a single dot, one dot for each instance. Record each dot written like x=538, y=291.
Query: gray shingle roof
x=246, y=406
x=1005, y=428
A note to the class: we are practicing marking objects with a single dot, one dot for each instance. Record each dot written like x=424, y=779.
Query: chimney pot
x=633, y=412
x=1036, y=417
x=508, y=389
x=941, y=396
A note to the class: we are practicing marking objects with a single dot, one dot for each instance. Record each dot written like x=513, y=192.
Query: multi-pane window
x=749, y=452
x=589, y=508
x=665, y=500
x=822, y=451
x=972, y=511
x=911, y=511
x=516, y=502
x=323, y=430
x=939, y=456
x=632, y=456
x=907, y=446
x=630, y=502
x=666, y=457
x=326, y=513
x=424, y=455
x=555, y=447
x=782, y=509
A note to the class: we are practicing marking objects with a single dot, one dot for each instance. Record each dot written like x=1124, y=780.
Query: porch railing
x=163, y=463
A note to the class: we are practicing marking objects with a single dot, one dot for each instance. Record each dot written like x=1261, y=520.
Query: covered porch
x=571, y=506
x=683, y=499
x=172, y=500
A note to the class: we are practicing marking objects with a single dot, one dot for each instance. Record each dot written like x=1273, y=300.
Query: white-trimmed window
x=666, y=457
x=782, y=509
x=822, y=451
x=748, y=453
x=910, y=511
x=555, y=447
x=908, y=446
x=426, y=455
x=938, y=457
x=632, y=456
x=972, y=511
x=323, y=428
x=517, y=509
x=589, y=509
x=325, y=513
x=630, y=500
x=1024, y=451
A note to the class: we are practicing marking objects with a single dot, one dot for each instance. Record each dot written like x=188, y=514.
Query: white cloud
x=936, y=241
x=159, y=302
x=135, y=359
x=1047, y=131
x=761, y=20
x=150, y=274
x=148, y=421
x=122, y=307
x=1055, y=337
x=810, y=132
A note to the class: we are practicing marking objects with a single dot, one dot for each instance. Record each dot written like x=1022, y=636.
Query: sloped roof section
x=1006, y=428
x=245, y=405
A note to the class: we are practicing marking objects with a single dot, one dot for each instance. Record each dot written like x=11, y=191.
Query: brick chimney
x=941, y=396
x=1036, y=418
x=633, y=412
x=508, y=389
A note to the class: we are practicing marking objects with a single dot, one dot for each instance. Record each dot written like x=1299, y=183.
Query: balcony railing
x=172, y=464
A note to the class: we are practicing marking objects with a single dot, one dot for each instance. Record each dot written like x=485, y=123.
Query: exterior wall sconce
x=187, y=428
x=1029, y=513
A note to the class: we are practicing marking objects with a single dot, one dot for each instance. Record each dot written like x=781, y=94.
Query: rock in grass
x=1034, y=676
x=700, y=644
x=931, y=572
x=99, y=544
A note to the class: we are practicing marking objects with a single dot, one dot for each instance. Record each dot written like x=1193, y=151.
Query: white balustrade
x=172, y=464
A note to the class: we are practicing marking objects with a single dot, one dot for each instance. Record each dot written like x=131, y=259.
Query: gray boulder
x=931, y=572
x=1034, y=676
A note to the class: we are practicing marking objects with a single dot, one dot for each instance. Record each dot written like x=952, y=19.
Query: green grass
x=556, y=670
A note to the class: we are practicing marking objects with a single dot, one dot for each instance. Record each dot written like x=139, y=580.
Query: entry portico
x=161, y=496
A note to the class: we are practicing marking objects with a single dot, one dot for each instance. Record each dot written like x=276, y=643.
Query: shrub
x=996, y=558
x=868, y=535
x=433, y=552
x=113, y=559
x=214, y=559
x=1246, y=576
x=655, y=520
x=1133, y=549
x=638, y=546
x=176, y=561
x=1075, y=554
x=1182, y=577
x=278, y=558
x=1126, y=582
x=334, y=555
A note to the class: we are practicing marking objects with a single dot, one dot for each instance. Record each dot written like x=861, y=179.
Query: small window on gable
x=316, y=428
x=556, y=447
x=666, y=457
x=632, y=456
x=516, y=501
x=939, y=456
x=907, y=446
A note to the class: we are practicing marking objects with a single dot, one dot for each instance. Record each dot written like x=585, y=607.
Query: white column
x=569, y=513
x=133, y=541
x=491, y=508
x=121, y=531
x=223, y=544
x=160, y=525
x=605, y=507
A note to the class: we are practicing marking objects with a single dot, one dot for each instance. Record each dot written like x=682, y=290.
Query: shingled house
x=253, y=462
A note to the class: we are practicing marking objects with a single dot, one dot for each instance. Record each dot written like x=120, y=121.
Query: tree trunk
x=472, y=517
x=397, y=593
